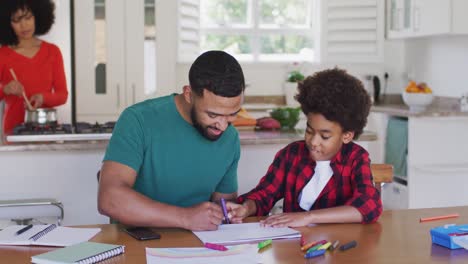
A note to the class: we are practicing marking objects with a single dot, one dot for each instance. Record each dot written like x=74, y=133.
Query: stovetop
x=61, y=132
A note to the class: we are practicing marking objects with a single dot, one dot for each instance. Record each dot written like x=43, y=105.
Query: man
x=171, y=159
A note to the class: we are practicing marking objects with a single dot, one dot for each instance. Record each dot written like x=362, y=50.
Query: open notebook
x=46, y=235
x=242, y=233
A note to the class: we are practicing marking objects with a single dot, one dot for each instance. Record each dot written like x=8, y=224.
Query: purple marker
x=223, y=204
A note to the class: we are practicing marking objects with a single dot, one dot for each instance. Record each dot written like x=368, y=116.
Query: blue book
x=86, y=252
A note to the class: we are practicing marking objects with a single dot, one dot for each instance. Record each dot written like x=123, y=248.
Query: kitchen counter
x=246, y=138
x=392, y=104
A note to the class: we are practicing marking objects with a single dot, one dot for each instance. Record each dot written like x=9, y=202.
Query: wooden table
x=397, y=237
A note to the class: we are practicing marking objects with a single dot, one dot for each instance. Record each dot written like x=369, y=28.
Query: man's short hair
x=338, y=96
x=217, y=72
x=43, y=11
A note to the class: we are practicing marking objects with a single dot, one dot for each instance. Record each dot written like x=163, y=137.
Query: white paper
x=59, y=236
x=246, y=253
x=242, y=233
x=462, y=241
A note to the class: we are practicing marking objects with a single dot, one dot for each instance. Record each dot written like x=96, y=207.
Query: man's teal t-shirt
x=175, y=164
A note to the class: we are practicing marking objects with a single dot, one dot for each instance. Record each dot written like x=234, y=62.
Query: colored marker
x=426, y=219
x=335, y=245
x=314, y=248
x=326, y=246
x=311, y=244
x=315, y=253
x=348, y=245
x=264, y=244
x=223, y=204
x=215, y=246
x=302, y=240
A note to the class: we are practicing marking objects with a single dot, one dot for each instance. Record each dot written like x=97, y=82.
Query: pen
x=426, y=219
x=24, y=229
x=223, y=204
x=215, y=246
x=348, y=245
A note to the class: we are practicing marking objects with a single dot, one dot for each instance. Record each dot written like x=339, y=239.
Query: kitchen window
x=251, y=30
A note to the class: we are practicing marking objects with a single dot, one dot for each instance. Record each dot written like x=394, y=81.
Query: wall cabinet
x=115, y=56
x=417, y=18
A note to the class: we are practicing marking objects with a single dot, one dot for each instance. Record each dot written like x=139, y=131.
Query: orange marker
x=311, y=244
x=426, y=219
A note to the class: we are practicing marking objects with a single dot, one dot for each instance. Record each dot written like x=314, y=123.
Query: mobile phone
x=142, y=233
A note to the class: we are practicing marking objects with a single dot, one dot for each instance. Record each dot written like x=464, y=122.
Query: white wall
x=60, y=36
x=267, y=79
x=441, y=62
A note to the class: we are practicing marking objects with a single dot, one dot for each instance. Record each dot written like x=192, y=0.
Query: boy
x=326, y=178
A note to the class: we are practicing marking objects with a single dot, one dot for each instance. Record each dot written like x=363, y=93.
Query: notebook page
x=248, y=232
x=66, y=236
x=8, y=235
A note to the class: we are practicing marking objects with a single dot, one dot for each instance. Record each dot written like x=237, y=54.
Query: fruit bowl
x=417, y=102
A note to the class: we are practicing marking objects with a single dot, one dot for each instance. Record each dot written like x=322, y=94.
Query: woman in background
x=28, y=64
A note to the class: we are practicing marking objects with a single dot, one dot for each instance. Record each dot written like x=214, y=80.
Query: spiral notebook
x=86, y=252
x=46, y=235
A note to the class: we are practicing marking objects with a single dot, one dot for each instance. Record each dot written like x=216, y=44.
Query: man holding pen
x=171, y=159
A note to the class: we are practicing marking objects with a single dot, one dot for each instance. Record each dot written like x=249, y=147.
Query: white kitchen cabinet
x=115, y=50
x=417, y=18
x=437, y=165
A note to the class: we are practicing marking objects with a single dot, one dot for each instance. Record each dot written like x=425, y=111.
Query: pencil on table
x=426, y=219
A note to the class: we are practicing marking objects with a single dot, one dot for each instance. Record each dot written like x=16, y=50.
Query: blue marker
x=348, y=245
x=315, y=253
x=223, y=204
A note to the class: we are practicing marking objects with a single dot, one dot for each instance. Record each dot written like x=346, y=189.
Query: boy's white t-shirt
x=314, y=187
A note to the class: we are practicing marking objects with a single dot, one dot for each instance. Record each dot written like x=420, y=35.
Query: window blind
x=352, y=30
x=189, y=28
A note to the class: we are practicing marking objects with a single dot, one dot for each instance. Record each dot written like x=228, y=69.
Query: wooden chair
x=382, y=173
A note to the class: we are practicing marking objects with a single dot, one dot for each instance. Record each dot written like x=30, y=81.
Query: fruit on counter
x=244, y=119
x=418, y=88
x=268, y=123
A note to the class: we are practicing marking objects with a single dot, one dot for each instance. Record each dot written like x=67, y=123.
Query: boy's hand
x=236, y=212
x=287, y=220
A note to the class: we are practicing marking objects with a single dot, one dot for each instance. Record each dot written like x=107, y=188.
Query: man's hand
x=204, y=216
x=237, y=212
x=36, y=100
x=13, y=88
x=287, y=220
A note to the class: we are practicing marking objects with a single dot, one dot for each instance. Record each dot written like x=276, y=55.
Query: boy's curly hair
x=338, y=96
x=44, y=17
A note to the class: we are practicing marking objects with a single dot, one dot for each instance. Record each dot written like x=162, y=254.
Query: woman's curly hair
x=43, y=11
x=338, y=96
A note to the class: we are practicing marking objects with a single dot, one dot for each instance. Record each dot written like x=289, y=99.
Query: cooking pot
x=41, y=116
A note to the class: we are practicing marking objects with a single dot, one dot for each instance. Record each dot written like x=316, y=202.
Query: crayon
x=215, y=246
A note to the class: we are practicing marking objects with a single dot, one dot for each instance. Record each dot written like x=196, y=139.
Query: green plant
x=295, y=76
x=286, y=116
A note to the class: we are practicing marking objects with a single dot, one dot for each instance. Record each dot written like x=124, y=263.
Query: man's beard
x=202, y=130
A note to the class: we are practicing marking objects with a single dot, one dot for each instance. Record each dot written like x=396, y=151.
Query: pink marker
x=216, y=247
